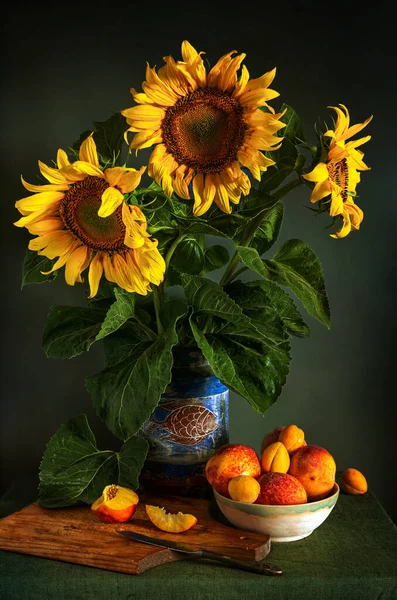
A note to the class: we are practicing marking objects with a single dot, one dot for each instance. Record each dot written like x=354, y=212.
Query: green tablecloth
x=352, y=555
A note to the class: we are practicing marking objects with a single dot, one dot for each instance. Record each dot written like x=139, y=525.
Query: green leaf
x=255, y=369
x=171, y=312
x=188, y=257
x=33, y=264
x=197, y=225
x=121, y=344
x=125, y=394
x=71, y=330
x=293, y=129
x=285, y=158
x=284, y=306
x=172, y=277
x=255, y=304
x=269, y=229
x=73, y=470
x=296, y=266
x=215, y=257
x=118, y=313
x=108, y=137
x=209, y=298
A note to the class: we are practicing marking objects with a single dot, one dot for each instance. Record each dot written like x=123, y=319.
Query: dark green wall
x=65, y=68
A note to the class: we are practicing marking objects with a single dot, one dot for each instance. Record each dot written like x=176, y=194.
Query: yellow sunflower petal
x=145, y=115
x=321, y=190
x=345, y=229
x=84, y=167
x=88, y=152
x=135, y=233
x=62, y=260
x=62, y=159
x=130, y=180
x=145, y=139
x=60, y=245
x=336, y=207
x=319, y=173
x=111, y=199
x=221, y=196
x=38, y=201
x=44, y=188
x=75, y=264
x=354, y=129
x=52, y=175
x=45, y=226
x=199, y=207
x=95, y=274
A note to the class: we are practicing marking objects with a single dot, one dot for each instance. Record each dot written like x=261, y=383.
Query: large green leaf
x=208, y=297
x=125, y=394
x=71, y=330
x=284, y=306
x=108, y=137
x=120, y=311
x=188, y=257
x=255, y=369
x=215, y=257
x=123, y=342
x=269, y=229
x=32, y=268
x=285, y=159
x=296, y=266
x=73, y=470
x=255, y=304
x=293, y=129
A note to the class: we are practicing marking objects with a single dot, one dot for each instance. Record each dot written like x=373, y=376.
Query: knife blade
x=263, y=568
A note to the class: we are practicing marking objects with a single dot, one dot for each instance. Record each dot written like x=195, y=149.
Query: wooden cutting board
x=76, y=535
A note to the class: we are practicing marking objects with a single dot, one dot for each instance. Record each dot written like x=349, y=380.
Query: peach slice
x=116, y=505
x=173, y=523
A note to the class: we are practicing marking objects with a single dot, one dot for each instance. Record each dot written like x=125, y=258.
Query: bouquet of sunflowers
x=222, y=160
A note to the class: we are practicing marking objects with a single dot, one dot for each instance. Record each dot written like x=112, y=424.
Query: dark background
x=67, y=65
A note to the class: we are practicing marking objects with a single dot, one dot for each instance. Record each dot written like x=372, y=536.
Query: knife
x=260, y=567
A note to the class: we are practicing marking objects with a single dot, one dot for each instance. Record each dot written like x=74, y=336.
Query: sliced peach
x=173, y=523
x=116, y=505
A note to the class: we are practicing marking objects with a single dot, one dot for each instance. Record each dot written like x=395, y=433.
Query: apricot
x=280, y=488
x=271, y=437
x=275, y=458
x=315, y=468
x=292, y=437
x=228, y=462
x=173, y=523
x=244, y=488
x=116, y=505
x=353, y=482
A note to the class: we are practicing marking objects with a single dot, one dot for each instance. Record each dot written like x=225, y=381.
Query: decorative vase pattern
x=190, y=422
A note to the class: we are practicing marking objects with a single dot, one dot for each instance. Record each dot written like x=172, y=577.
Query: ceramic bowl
x=285, y=523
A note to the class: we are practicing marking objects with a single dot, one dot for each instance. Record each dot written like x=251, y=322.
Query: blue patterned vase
x=190, y=422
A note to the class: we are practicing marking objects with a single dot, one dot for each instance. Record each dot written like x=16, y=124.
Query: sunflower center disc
x=79, y=211
x=339, y=173
x=204, y=130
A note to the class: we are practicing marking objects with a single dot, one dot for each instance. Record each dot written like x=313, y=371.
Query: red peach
x=228, y=462
x=280, y=488
x=315, y=468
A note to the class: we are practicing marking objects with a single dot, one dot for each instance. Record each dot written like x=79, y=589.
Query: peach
x=173, y=523
x=292, y=437
x=315, y=468
x=280, y=488
x=116, y=505
x=353, y=482
x=271, y=437
x=228, y=462
x=275, y=458
x=244, y=488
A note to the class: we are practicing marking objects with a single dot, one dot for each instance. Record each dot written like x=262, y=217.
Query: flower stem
x=173, y=247
x=156, y=302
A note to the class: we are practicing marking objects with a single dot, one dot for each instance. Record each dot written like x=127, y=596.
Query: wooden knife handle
x=263, y=568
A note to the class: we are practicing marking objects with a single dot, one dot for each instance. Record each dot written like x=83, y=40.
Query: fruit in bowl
x=280, y=488
x=275, y=458
x=228, y=462
x=283, y=522
x=315, y=468
x=244, y=488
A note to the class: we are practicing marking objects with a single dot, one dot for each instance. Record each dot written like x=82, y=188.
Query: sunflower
x=81, y=218
x=205, y=127
x=339, y=175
